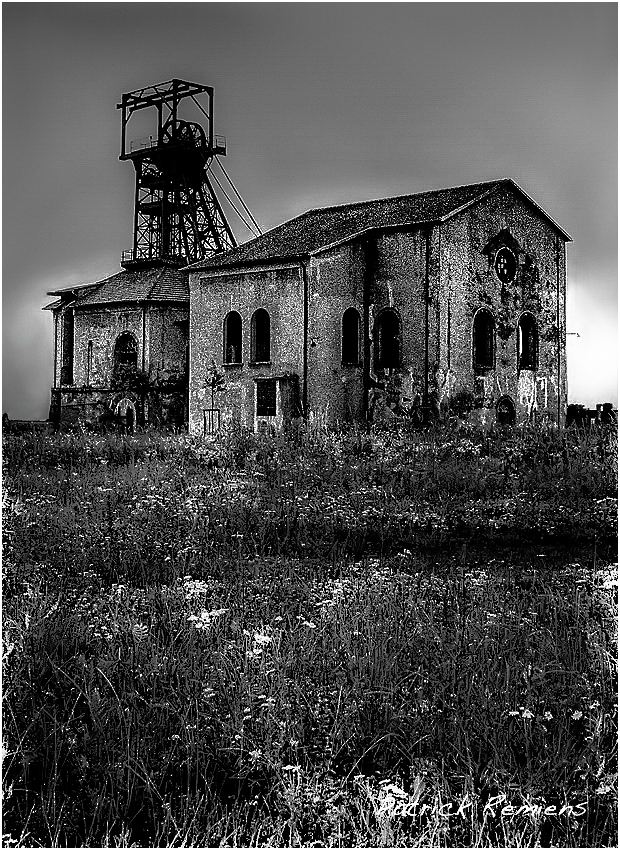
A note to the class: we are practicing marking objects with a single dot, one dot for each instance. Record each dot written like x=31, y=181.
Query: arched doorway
x=126, y=409
x=505, y=412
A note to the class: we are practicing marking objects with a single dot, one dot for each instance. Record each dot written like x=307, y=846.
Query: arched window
x=66, y=372
x=484, y=340
x=260, y=337
x=387, y=340
x=527, y=342
x=125, y=356
x=351, y=336
x=232, y=338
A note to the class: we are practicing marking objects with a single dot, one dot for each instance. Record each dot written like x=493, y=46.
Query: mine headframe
x=178, y=218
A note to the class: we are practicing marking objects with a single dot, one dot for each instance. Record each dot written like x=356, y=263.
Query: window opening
x=66, y=373
x=505, y=265
x=484, y=340
x=125, y=356
x=351, y=336
x=527, y=342
x=266, y=398
x=260, y=337
x=387, y=340
x=232, y=338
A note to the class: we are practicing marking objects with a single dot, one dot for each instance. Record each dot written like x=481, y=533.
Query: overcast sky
x=320, y=104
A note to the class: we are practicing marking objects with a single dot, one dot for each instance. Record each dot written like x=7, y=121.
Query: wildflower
x=547, y=715
x=139, y=631
x=527, y=714
x=576, y=715
x=204, y=620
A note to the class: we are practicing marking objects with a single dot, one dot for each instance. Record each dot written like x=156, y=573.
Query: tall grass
x=342, y=638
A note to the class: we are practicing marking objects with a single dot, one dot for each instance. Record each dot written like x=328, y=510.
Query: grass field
x=344, y=638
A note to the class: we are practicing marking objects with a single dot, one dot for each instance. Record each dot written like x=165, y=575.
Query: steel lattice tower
x=177, y=216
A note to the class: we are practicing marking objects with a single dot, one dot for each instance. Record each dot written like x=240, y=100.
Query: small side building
x=121, y=349
x=426, y=304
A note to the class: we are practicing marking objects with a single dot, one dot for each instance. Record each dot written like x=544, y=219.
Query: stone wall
x=469, y=282
x=435, y=279
x=278, y=289
x=161, y=336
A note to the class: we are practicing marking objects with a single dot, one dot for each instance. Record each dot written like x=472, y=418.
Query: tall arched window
x=232, y=338
x=387, y=340
x=351, y=336
x=527, y=342
x=484, y=340
x=260, y=337
x=66, y=371
x=125, y=356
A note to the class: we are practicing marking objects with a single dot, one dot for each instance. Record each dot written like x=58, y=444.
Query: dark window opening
x=351, y=336
x=266, y=398
x=484, y=340
x=232, y=338
x=527, y=343
x=505, y=265
x=66, y=372
x=260, y=337
x=125, y=356
x=387, y=340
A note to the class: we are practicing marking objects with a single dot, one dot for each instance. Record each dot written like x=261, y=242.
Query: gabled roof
x=163, y=283
x=318, y=229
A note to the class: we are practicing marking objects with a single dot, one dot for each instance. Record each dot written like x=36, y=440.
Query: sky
x=321, y=103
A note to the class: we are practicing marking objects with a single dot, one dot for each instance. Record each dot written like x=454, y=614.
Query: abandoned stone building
x=425, y=305
x=452, y=300
x=121, y=349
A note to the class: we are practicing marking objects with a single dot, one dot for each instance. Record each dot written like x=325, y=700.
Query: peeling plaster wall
x=400, y=282
x=335, y=283
x=469, y=282
x=277, y=289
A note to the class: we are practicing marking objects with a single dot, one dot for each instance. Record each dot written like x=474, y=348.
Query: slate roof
x=163, y=283
x=317, y=229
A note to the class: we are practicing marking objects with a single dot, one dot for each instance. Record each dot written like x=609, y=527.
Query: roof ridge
x=486, y=183
x=360, y=204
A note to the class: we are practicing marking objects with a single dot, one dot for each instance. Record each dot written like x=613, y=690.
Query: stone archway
x=505, y=411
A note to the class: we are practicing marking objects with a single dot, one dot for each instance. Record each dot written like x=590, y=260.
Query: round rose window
x=505, y=265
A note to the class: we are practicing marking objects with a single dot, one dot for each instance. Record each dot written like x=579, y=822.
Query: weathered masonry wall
x=405, y=279
x=161, y=337
x=335, y=283
x=102, y=328
x=279, y=290
x=390, y=270
x=469, y=282
x=167, y=340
